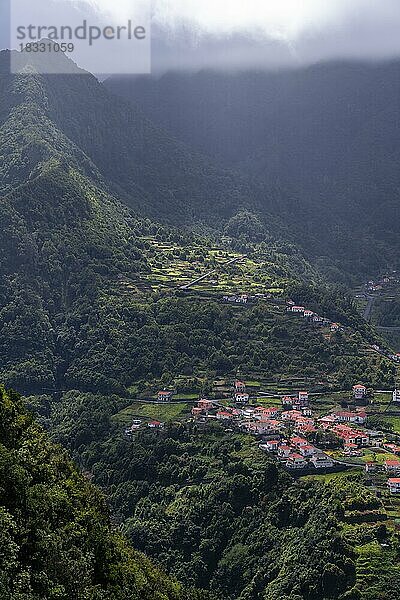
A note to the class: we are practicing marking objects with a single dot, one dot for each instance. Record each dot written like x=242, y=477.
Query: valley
x=195, y=336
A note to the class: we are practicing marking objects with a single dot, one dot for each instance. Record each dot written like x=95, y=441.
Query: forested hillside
x=55, y=529
x=68, y=243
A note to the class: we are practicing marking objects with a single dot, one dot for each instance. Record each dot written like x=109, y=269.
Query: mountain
x=151, y=171
x=327, y=136
x=90, y=288
x=130, y=264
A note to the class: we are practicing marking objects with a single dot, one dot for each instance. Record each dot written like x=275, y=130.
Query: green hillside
x=57, y=540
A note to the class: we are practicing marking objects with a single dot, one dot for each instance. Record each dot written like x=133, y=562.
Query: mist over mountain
x=328, y=137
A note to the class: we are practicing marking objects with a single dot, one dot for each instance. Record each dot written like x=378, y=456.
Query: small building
x=327, y=422
x=318, y=320
x=393, y=448
x=303, y=399
x=205, y=404
x=240, y=387
x=284, y=451
x=307, y=451
x=307, y=412
x=155, y=425
x=197, y=412
x=242, y=398
x=298, y=441
x=296, y=461
x=392, y=466
x=308, y=314
x=164, y=396
x=335, y=327
x=287, y=401
x=394, y=485
x=224, y=415
x=351, y=449
x=396, y=396
x=298, y=309
x=272, y=445
x=321, y=461
x=371, y=467
x=359, y=391
x=270, y=412
x=344, y=416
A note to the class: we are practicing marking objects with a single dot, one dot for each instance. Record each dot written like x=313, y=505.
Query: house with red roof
x=307, y=451
x=359, y=391
x=164, y=396
x=392, y=466
x=272, y=445
x=197, y=412
x=284, y=451
x=240, y=387
x=297, y=441
x=270, y=412
x=224, y=415
x=156, y=425
x=287, y=401
x=205, y=404
x=394, y=485
x=345, y=416
x=393, y=448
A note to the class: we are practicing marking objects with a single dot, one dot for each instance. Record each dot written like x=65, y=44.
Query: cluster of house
x=312, y=317
x=391, y=468
x=377, y=286
x=139, y=423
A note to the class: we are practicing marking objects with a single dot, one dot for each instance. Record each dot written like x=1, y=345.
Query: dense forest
x=56, y=536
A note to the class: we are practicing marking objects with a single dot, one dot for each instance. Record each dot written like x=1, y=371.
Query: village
x=301, y=439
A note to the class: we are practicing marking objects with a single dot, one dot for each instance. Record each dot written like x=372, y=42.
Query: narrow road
x=209, y=273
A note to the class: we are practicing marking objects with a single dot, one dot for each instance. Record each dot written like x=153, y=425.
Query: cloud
x=272, y=33
x=238, y=34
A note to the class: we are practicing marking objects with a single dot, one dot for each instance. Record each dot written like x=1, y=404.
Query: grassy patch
x=161, y=412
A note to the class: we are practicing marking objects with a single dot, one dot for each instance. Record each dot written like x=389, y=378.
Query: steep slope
x=56, y=536
x=69, y=248
x=154, y=173
x=329, y=135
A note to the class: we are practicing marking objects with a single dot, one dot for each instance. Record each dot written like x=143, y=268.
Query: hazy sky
x=261, y=33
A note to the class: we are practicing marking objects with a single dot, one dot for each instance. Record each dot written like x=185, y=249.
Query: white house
x=296, y=461
x=298, y=309
x=322, y=461
x=242, y=398
x=396, y=396
x=303, y=398
x=164, y=396
x=359, y=391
